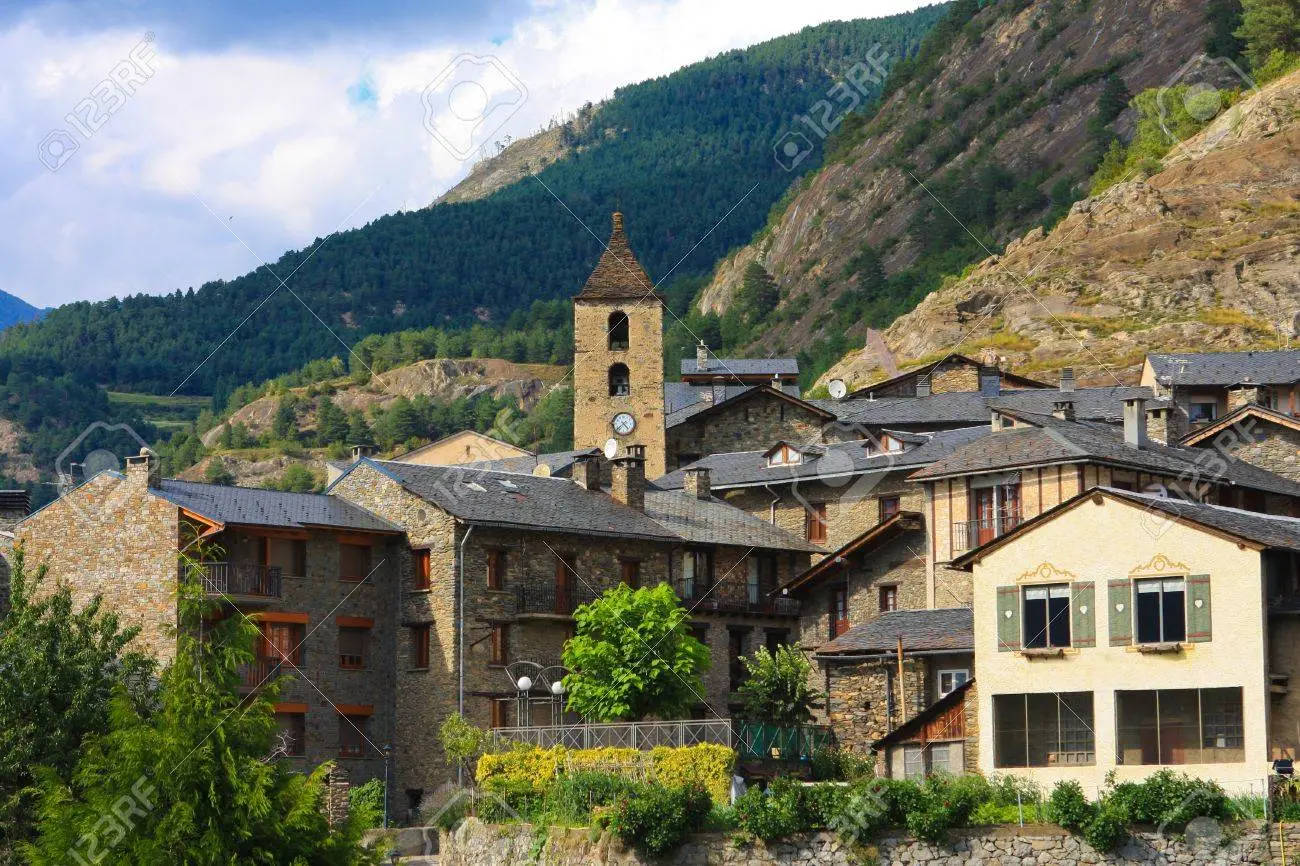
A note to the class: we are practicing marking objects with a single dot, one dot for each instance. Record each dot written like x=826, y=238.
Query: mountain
x=14, y=310
x=1202, y=254
x=993, y=127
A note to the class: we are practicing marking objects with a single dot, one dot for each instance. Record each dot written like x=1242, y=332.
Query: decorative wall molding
x=1046, y=572
x=1160, y=564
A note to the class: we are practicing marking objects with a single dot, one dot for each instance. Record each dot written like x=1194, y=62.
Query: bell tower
x=618, y=357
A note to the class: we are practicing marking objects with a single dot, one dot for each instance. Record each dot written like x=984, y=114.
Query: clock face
x=624, y=423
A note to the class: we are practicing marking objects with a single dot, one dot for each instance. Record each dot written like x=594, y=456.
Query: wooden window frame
x=496, y=568
x=499, y=645
x=423, y=569
x=298, y=712
x=352, y=724
x=360, y=663
x=349, y=578
x=420, y=634
x=889, y=590
x=815, y=523
x=885, y=511
x=838, y=626
x=498, y=707
x=629, y=572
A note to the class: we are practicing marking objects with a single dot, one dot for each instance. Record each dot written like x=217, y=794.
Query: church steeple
x=618, y=274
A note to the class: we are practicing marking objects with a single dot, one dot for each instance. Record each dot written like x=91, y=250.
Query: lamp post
x=388, y=751
x=524, y=684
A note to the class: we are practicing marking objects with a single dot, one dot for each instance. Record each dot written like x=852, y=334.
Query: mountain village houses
x=990, y=573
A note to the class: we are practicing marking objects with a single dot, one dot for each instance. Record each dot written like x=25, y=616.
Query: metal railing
x=552, y=599
x=720, y=600
x=757, y=741
x=626, y=735
x=241, y=578
x=968, y=534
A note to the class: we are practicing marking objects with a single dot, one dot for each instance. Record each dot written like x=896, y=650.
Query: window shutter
x=1083, y=613
x=1121, y=612
x=1198, y=608
x=1008, y=618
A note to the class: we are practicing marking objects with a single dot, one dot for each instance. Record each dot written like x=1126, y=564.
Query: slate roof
x=712, y=521
x=972, y=407
x=1228, y=368
x=923, y=369
x=683, y=400
x=618, y=274
x=743, y=366
x=273, y=508
x=558, y=462
x=902, y=523
x=1056, y=441
x=1253, y=410
x=947, y=628
x=749, y=468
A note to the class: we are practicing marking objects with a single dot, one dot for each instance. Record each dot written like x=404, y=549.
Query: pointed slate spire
x=618, y=274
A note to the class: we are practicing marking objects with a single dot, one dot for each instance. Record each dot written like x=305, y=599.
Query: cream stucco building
x=1126, y=632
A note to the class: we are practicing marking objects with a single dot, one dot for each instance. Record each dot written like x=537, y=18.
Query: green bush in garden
x=655, y=819
x=1108, y=828
x=1069, y=807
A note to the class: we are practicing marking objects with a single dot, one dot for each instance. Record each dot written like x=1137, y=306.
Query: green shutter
x=1008, y=618
x=1121, y=612
x=1083, y=614
x=1198, y=608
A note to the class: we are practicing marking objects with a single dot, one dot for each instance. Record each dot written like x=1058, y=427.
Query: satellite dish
x=837, y=389
x=611, y=448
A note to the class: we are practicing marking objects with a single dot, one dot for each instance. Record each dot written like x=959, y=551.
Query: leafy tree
x=62, y=665
x=1269, y=26
x=776, y=690
x=197, y=775
x=331, y=422
x=217, y=473
x=1224, y=17
x=632, y=655
x=296, y=478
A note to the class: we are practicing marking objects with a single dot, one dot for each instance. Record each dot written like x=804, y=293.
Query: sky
x=153, y=145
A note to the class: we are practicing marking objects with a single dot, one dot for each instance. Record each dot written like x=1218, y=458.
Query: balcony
x=547, y=599
x=719, y=600
x=244, y=579
x=260, y=671
x=969, y=534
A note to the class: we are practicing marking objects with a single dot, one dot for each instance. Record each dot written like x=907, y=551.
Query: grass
x=168, y=412
x=1227, y=316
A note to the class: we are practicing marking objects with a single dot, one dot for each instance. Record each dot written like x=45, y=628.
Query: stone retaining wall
x=477, y=844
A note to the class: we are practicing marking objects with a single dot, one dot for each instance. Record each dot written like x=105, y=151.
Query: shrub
x=1166, y=797
x=996, y=813
x=512, y=800
x=839, y=765
x=707, y=765
x=1068, y=807
x=931, y=821
x=773, y=813
x=1108, y=828
x=574, y=795
x=367, y=803
x=521, y=765
x=655, y=819
x=864, y=813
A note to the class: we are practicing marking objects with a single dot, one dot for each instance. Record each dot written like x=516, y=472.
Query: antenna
x=837, y=389
x=611, y=448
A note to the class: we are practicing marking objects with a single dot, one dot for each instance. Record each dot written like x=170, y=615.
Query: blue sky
x=147, y=146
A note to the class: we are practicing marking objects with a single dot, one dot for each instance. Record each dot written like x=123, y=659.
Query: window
x=697, y=573
x=776, y=638
x=1045, y=616
x=995, y=510
x=950, y=680
x=283, y=640
x=354, y=561
x=500, y=712
x=292, y=727
x=1050, y=729
x=500, y=645
x=423, y=569
x=735, y=654
x=352, y=647
x=619, y=381
x=761, y=578
x=629, y=571
x=921, y=760
x=420, y=646
x=888, y=598
x=784, y=455
x=1160, y=609
x=496, y=569
x=618, y=328
x=288, y=554
x=1179, y=726
x=352, y=734
x=814, y=524
x=889, y=506
x=839, y=614
x=1202, y=411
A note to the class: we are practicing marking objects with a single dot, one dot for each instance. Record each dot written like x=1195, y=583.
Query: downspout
x=460, y=636
x=772, y=505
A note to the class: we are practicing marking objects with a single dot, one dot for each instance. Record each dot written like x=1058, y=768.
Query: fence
x=751, y=740
x=757, y=741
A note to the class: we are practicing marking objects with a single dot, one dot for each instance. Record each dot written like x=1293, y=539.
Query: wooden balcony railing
x=547, y=598
x=241, y=578
x=968, y=534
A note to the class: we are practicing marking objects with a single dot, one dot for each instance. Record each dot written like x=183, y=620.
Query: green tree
x=217, y=473
x=296, y=478
x=331, y=422
x=284, y=424
x=758, y=293
x=776, y=689
x=632, y=655
x=358, y=430
x=198, y=775
x=1268, y=26
x=62, y=666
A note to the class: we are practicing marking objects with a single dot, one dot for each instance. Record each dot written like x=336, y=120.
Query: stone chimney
x=989, y=357
x=144, y=469
x=627, y=481
x=1243, y=395
x=701, y=357
x=14, y=506
x=1158, y=424
x=586, y=471
x=338, y=789
x=1067, y=379
x=923, y=386
x=1063, y=410
x=698, y=482
x=1135, y=422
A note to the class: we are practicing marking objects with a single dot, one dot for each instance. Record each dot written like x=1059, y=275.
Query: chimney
x=698, y=482
x=1067, y=379
x=144, y=469
x=1158, y=423
x=359, y=451
x=701, y=357
x=1063, y=410
x=995, y=420
x=627, y=481
x=923, y=386
x=719, y=390
x=14, y=506
x=586, y=471
x=989, y=357
x=1135, y=422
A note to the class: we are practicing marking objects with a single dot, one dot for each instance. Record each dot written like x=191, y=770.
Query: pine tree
x=1268, y=26
x=331, y=422
x=194, y=783
x=284, y=423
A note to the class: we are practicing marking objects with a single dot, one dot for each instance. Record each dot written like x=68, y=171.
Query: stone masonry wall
x=1276, y=448
x=755, y=424
x=476, y=844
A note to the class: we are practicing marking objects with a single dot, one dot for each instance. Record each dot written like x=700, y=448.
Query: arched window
x=618, y=330
x=618, y=381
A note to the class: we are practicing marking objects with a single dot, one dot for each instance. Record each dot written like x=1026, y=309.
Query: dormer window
x=619, y=381
x=618, y=327
x=784, y=455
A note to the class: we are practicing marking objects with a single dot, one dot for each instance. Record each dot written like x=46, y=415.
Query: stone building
x=1202, y=387
x=951, y=373
x=1256, y=435
x=315, y=573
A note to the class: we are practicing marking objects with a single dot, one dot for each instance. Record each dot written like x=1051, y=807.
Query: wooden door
x=985, y=515
x=564, y=582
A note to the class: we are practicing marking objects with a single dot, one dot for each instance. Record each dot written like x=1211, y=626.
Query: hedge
x=708, y=765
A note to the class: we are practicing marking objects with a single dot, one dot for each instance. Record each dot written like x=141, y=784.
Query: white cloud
x=286, y=145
